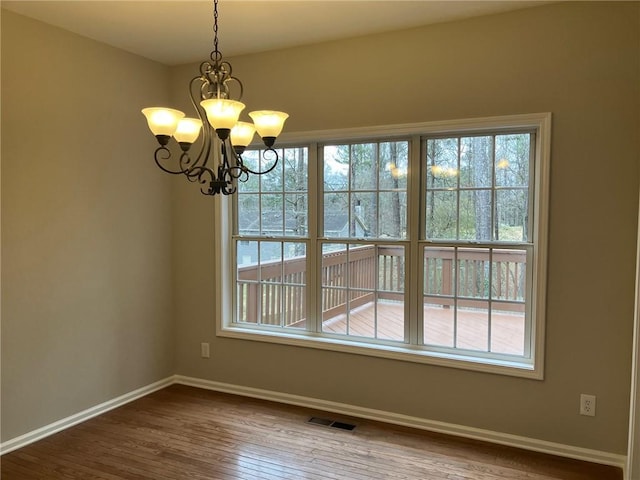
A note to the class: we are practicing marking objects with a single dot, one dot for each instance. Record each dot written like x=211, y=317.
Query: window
x=424, y=243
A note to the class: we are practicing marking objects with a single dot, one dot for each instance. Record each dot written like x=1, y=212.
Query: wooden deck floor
x=181, y=433
x=470, y=330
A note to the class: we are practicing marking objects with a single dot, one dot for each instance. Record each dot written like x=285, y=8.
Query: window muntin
x=363, y=290
x=529, y=240
x=271, y=283
x=271, y=268
x=274, y=204
x=474, y=299
x=477, y=187
x=477, y=190
x=365, y=197
x=365, y=190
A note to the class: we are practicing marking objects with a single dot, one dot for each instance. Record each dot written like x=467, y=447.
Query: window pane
x=476, y=162
x=336, y=168
x=295, y=164
x=392, y=215
x=507, y=332
x=271, y=217
x=457, y=310
x=247, y=254
x=336, y=215
x=508, y=290
x=472, y=292
x=271, y=283
x=363, y=291
x=363, y=161
x=271, y=261
x=294, y=282
x=438, y=298
x=512, y=217
x=393, y=165
x=439, y=272
x=364, y=215
x=296, y=215
x=439, y=324
x=472, y=329
x=272, y=181
x=365, y=190
x=249, y=220
x=441, y=210
x=334, y=288
x=251, y=159
x=475, y=215
x=248, y=277
x=512, y=160
x=509, y=275
x=390, y=294
x=473, y=272
x=263, y=207
x=442, y=163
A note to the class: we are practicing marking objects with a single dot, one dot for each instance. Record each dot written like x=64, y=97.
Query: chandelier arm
x=225, y=165
x=264, y=155
x=207, y=144
x=186, y=163
x=207, y=135
x=204, y=176
x=229, y=187
x=163, y=153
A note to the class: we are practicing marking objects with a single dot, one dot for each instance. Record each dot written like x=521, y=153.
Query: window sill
x=406, y=353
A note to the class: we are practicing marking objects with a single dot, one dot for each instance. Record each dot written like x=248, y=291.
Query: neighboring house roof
x=272, y=222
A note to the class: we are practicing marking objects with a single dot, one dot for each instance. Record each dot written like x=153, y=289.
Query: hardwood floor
x=187, y=433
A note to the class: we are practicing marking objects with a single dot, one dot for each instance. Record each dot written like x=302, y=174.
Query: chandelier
x=218, y=165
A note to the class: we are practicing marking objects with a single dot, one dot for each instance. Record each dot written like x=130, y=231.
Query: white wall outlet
x=588, y=405
x=204, y=350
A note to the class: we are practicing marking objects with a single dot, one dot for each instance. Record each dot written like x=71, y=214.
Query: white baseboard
x=517, y=441
x=55, y=427
x=532, y=444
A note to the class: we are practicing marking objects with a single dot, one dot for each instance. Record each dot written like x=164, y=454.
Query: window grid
x=492, y=247
x=485, y=242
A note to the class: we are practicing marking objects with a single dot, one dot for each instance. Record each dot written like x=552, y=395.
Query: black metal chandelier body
x=218, y=165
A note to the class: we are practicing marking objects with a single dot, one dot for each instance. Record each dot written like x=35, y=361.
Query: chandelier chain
x=215, y=27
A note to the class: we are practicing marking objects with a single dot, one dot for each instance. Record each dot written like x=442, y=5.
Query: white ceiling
x=176, y=32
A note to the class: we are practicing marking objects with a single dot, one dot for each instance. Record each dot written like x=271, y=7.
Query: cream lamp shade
x=242, y=134
x=162, y=121
x=268, y=123
x=222, y=113
x=188, y=130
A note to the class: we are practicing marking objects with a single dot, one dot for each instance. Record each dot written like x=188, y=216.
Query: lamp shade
x=162, y=121
x=222, y=113
x=268, y=123
x=188, y=130
x=242, y=134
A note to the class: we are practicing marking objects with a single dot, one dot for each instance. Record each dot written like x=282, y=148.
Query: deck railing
x=274, y=291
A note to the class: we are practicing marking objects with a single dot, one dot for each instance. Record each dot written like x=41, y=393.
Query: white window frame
x=539, y=183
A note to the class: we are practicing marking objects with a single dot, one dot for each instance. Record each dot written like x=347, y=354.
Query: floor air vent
x=325, y=422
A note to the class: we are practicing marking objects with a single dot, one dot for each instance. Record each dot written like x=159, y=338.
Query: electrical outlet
x=588, y=405
x=204, y=350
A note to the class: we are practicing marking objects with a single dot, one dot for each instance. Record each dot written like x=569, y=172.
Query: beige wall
x=101, y=250
x=579, y=61
x=86, y=226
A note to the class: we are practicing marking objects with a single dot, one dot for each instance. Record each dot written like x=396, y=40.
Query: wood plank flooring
x=187, y=433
